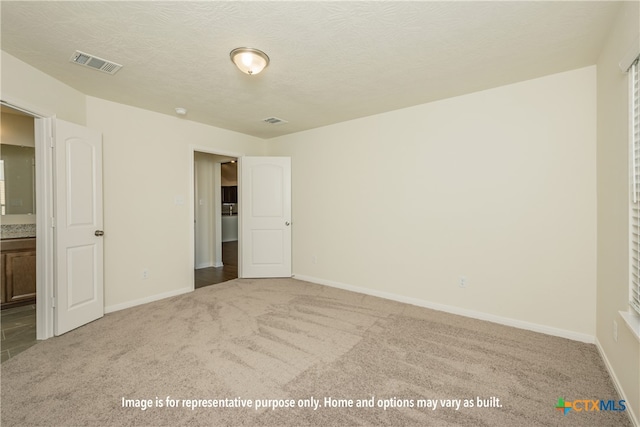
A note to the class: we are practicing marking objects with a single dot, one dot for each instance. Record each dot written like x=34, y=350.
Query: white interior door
x=265, y=217
x=79, y=296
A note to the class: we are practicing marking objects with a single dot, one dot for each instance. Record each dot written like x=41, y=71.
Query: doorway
x=215, y=207
x=18, y=211
x=47, y=214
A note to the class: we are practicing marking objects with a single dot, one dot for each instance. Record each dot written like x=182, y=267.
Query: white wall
x=29, y=88
x=207, y=203
x=623, y=355
x=147, y=161
x=497, y=186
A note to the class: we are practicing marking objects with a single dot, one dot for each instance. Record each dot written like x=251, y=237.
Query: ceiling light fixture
x=249, y=60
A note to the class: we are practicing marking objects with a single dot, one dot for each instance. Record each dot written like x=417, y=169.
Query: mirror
x=17, y=173
x=17, y=164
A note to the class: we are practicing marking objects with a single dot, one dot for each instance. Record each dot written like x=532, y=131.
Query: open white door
x=79, y=296
x=265, y=217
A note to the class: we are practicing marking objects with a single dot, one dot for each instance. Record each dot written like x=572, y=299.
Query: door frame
x=45, y=252
x=192, y=197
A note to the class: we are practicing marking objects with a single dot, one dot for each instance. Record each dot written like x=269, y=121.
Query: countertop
x=17, y=231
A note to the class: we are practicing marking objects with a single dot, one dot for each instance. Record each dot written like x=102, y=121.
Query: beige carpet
x=249, y=341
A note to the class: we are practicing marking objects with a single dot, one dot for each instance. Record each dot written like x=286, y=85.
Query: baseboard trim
x=152, y=298
x=209, y=265
x=616, y=383
x=563, y=333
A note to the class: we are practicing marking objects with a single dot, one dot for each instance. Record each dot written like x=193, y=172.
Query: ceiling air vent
x=274, y=121
x=94, y=62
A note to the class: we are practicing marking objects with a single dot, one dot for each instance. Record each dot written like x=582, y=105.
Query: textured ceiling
x=330, y=61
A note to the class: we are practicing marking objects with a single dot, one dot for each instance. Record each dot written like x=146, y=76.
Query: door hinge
x=50, y=138
x=53, y=302
x=52, y=223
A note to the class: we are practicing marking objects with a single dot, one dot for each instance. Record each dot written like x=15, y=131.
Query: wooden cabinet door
x=20, y=272
x=230, y=194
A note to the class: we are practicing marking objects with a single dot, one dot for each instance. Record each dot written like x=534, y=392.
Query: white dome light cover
x=249, y=60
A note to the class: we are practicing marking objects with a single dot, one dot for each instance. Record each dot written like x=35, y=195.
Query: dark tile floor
x=18, y=333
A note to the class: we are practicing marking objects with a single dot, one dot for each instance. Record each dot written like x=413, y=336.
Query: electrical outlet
x=463, y=283
x=615, y=331
x=145, y=273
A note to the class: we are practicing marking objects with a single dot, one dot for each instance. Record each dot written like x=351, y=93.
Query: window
x=634, y=129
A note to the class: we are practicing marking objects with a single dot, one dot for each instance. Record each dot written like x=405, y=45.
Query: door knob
x=99, y=233
x=287, y=223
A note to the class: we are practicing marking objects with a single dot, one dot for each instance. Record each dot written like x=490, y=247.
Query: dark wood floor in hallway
x=213, y=275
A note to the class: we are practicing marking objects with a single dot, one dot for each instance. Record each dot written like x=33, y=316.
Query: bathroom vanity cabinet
x=18, y=271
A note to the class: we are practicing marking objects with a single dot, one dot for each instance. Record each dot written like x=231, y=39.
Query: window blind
x=635, y=177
